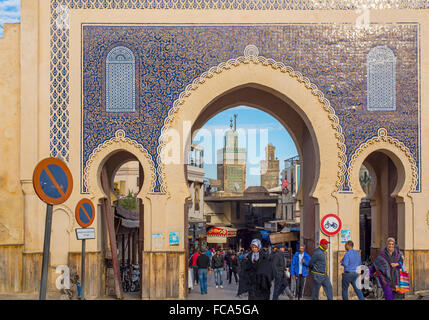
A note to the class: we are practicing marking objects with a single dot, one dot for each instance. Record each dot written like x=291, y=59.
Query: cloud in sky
x=9, y=12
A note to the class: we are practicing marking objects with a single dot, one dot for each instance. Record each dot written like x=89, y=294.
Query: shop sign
x=215, y=231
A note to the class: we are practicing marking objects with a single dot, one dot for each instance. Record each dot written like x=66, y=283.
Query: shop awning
x=127, y=223
x=283, y=237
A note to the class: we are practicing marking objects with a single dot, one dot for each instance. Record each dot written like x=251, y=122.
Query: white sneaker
x=221, y=287
x=217, y=286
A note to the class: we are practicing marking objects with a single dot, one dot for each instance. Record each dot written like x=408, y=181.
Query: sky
x=256, y=129
x=9, y=12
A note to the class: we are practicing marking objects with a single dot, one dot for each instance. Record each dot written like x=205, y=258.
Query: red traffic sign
x=330, y=224
x=285, y=183
x=52, y=181
x=84, y=213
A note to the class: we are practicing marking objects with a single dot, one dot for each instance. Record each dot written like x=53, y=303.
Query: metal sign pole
x=82, y=295
x=46, y=247
x=330, y=260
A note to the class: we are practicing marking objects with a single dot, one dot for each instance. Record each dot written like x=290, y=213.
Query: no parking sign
x=52, y=181
x=85, y=213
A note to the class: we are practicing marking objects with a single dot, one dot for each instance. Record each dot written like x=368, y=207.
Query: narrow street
x=228, y=292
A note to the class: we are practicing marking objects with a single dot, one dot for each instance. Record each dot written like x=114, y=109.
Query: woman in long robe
x=256, y=274
x=387, y=266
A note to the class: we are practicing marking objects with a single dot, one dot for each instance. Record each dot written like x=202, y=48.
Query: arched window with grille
x=381, y=79
x=120, y=80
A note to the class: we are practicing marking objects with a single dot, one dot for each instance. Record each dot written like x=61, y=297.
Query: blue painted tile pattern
x=168, y=58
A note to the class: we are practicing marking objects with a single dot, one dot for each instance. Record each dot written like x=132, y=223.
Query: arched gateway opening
x=118, y=178
x=382, y=177
x=285, y=95
x=261, y=98
x=121, y=179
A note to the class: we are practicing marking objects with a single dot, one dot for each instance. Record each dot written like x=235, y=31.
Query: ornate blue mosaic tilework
x=59, y=40
x=168, y=58
x=59, y=32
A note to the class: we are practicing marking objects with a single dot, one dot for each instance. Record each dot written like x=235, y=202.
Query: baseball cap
x=324, y=241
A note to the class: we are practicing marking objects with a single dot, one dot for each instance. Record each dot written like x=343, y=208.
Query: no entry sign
x=84, y=213
x=52, y=181
x=330, y=224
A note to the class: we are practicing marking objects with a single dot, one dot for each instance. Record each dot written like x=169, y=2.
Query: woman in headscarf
x=256, y=273
x=387, y=266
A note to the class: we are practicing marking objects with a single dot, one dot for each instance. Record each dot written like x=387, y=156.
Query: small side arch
x=103, y=152
x=62, y=229
x=397, y=152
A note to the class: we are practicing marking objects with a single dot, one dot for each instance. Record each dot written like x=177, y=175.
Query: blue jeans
x=347, y=279
x=322, y=280
x=202, y=275
x=218, y=276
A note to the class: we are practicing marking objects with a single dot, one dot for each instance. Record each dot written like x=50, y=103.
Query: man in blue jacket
x=299, y=270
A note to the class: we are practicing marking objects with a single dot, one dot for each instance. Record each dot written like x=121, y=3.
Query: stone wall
x=11, y=199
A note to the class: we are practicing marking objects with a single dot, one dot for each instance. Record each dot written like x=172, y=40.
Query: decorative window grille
x=381, y=79
x=120, y=80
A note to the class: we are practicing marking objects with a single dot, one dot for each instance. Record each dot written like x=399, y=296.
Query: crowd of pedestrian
x=257, y=270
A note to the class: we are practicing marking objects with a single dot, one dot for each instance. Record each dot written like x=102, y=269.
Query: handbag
x=404, y=281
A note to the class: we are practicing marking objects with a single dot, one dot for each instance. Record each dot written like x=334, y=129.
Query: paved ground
x=229, y=291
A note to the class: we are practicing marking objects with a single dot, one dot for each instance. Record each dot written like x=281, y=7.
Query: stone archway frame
x=254, y=69
x=101, y=154
x=69, y=230
x=398, y=153
x=69, y=212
